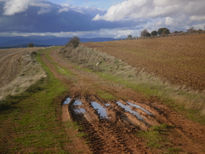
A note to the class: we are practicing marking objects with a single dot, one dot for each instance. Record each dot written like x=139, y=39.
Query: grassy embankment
x=30, y=122
x=187, y=102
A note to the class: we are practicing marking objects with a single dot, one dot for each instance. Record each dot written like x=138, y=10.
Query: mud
x=111, y=127
x=128, y=109
x=67, y=101
x=100, y=110
x=79, y=111
x=139, y=107
x=77, y=103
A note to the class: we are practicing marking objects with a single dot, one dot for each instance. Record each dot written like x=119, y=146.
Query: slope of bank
x=19, y=70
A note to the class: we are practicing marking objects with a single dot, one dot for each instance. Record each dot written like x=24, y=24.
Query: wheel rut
x=114, y=133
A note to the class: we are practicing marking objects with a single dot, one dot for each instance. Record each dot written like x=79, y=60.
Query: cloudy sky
x=97, y=18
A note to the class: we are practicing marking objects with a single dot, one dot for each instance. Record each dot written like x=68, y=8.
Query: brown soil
x=178, y=59
x=118, y=133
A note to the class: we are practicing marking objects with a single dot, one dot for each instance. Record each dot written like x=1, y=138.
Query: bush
x=163, y=31
x=30, y=45
x=154, y=33
x=145, y=33
x=129, y=37
x=74, y=42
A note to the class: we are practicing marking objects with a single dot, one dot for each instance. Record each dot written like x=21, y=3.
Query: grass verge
x=30, y=121
x=156, y=138
x=105, y=95
x=60, y=69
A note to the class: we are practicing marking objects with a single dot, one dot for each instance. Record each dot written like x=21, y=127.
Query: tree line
x=160, y=32
x=164, y=32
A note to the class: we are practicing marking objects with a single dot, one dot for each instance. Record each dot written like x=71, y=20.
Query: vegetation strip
x=30, y=120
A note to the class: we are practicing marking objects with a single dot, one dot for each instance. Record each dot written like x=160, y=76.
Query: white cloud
x=169, y=21
x=134, y=9
x=170, y=12
x=197, y=18
x=65, y=7
x=12, y=7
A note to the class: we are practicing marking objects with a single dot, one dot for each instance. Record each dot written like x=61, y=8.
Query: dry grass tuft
x=29, y=73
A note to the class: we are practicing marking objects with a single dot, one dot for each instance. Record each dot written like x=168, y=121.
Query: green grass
x=33, y=116
x=105, y=95
x=156, y=138
x=60, y=69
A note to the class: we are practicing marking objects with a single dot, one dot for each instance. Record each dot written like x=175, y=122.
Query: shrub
x=154, y=33
x=129, y=37
x=30, y=45
x=74, y=42
x=145, y=33
x=163, y=31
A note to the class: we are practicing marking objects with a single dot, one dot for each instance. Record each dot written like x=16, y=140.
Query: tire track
x=116, y=135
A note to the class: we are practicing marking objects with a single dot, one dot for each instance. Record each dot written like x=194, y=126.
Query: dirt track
x=117, y=131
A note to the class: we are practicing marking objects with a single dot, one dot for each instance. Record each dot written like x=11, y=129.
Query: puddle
x=79, y=111
x=67, y=101
x=77, y=102
x=139, y=107
x=107, y=105
x=101, y=110
x=128, y=109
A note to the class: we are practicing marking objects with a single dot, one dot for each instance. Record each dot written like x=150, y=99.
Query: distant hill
x=9, y=42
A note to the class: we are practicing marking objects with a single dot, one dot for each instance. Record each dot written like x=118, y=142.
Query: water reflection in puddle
x=100, y=110
x=107, y=105
x=128, y=109
x=139, y=107
x=79, y=111
x=67, y=101
x=77, y=102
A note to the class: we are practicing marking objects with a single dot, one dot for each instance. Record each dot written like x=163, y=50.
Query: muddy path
x=112, y=126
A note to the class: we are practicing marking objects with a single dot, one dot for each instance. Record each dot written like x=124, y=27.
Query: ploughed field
x=178, y=59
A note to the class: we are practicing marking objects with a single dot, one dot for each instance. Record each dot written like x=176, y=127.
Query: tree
x=129, y=37
x=74, y=42
x=30, y=45
x=154, y=33
x=145, y=33
x=163, y=31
